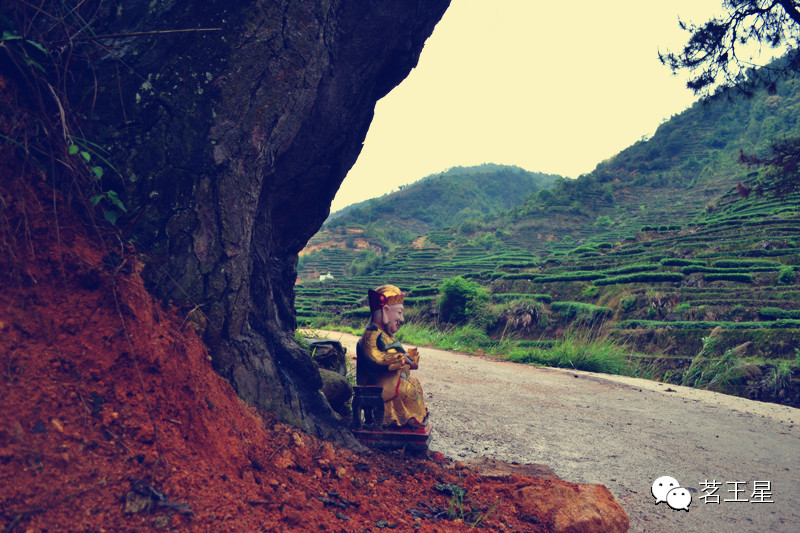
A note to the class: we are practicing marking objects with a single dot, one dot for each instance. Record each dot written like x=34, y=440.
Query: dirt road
x=622, y=433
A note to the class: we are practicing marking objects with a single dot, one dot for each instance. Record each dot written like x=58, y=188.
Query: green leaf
x=111, y=216
x=86, y=156
x=36, y=45
x=98, y=171
x=73, y=149
x=96, y=199
x=31, y=63
x=11, y=36
x=114, y=197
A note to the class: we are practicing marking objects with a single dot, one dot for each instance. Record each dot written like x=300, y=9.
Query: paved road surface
x=622, y=433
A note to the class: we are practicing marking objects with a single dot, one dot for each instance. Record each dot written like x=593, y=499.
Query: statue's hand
x=413, y=358
x=397, y=360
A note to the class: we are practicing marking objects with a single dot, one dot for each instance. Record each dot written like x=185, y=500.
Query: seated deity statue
x=382, y=361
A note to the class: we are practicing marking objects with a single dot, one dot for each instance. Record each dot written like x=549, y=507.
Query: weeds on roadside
x=583, y=349
x=466, y=338
x=461, y=507
x=779, y=376
x=579, y=350
x=720, y=375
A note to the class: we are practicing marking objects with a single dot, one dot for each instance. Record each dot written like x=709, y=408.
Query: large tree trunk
x=233, y=141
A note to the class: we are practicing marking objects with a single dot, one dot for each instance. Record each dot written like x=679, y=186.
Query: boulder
x=542, y=498
x=337, y=391
x=571, y=507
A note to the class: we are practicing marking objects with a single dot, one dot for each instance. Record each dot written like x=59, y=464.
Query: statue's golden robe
x=381, y=361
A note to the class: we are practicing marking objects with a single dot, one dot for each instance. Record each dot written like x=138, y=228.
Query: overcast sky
x=553, y=87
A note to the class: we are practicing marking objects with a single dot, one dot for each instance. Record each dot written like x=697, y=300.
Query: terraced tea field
x=733, y=272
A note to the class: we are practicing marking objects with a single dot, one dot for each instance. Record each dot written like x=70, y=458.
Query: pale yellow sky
x=552, y=87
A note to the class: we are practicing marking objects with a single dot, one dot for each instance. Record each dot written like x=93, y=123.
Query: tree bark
x=233, y=142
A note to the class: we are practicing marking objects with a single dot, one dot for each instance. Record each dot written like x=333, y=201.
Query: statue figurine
x=382, y=361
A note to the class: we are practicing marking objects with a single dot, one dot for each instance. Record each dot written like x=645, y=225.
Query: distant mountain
x=447, y=199
x=460, y=196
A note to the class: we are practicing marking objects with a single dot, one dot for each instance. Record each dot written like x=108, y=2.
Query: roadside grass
x=583, y=349
x=467, y=338
x=779, y=377
x=579, y=350
x=719, y=375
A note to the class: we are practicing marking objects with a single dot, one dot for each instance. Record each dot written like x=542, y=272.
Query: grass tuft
x=579, y=351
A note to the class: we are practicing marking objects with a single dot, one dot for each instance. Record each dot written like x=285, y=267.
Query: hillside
x=669, y=179
x=657, y=249
x=731, y=275
x=457, y=197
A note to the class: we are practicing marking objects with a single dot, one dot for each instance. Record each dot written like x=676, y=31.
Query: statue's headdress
x=385, y=295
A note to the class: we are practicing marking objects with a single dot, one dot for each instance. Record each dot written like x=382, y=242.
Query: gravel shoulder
x=622, y=433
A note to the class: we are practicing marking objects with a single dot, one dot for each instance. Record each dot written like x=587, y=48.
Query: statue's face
x=393, y=317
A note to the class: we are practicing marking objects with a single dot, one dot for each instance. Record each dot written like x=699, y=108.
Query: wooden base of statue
x=411, y=440
x=368, y=403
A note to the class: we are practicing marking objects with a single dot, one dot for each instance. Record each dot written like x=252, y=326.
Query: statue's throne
x=367, y=402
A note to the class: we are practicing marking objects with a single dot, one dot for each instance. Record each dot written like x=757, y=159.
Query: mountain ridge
x=459, y=196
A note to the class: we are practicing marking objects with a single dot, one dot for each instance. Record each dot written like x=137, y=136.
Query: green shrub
x=590, y=291
x=744, y=263
x=773, y=313
x=786, y=276
x=674, y=261
x=461, y=300
x=336, y=301
x=423, y=291
x=524, y=275
x=419, y=302
x=643, y=277
x=630, y=269
x=360, y=313
x=580, y=311
x=735, y=270
x=628, y=303
x=575, y=276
